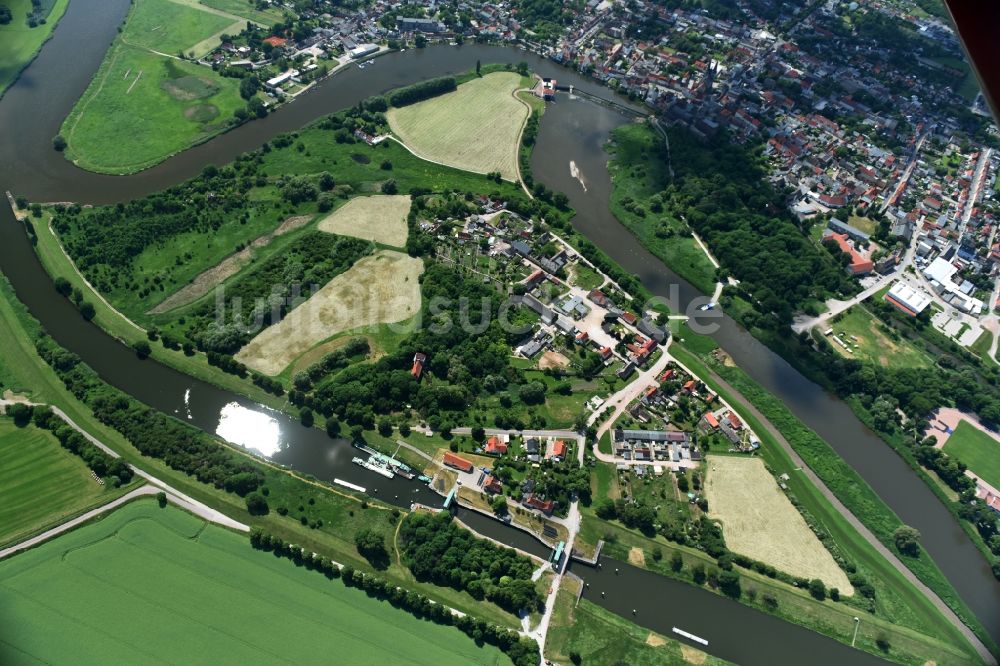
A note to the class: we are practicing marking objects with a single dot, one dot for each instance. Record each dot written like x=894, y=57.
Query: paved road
x=179, y=498
x=79, y=520
x=620, y=400
x=410, y=447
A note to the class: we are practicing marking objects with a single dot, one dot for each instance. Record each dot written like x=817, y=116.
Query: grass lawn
x=871, y=340
x=865, y=224
x=381, y=288
x=171, y=27
x=92, y=588
x=41, y=483
x=979, y=451
x=19, y=43
x=636, y=175
x=602, y=638
x=586, y=277
x=141, y=107
x=248, y=10
x=475, y=128
x=359, y=165
x=981, y=347
x=969, y=86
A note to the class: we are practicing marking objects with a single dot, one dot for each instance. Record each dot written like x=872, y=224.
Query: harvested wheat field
x=381, y=288
x=380, y=218
x=475, y=128
x=760, y=522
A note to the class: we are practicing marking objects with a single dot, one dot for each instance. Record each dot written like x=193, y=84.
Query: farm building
x=451, y=460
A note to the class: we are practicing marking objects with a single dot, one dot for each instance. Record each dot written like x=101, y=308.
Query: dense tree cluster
x=269, y=291
x=371, y=544
x=423, y=90
x=437, y=550
x=720, y=189
x=153, y=433
x=547, y=19
x=354, y=349
x=460, y=362
x=521, y=651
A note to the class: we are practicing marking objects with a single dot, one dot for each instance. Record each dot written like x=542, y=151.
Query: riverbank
x=926, y=569
x=57, y=174
x=892, y=591
x=19, y=43
x=58, y=264
x=848, y=487
x=26, y=373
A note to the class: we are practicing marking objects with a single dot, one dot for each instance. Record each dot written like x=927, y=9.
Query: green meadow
x=41, y=484
x=171, y=27
x=977, y=450
x=145, y=104
x=248, y=10
x=146, y=582
x=636, y=176
x=19, y=43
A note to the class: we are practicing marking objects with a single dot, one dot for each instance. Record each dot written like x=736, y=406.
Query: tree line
x=720, y=189
x=423, y=90
x=267, y=293
x=153, y=433
x=522, y=651
x=114, y=470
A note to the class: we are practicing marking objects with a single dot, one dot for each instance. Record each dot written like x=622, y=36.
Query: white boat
x=374, y=467
x=707, y=306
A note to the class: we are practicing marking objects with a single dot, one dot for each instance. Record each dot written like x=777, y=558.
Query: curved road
x=179, y=498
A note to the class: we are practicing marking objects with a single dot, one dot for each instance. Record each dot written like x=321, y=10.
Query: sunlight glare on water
x=249, y=428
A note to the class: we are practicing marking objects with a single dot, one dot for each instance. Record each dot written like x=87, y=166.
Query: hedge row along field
x=92, y=589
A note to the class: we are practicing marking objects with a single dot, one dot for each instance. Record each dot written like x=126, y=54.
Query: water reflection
x=251, y=429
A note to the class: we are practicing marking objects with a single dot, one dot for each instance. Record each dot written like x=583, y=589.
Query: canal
x=32, y=111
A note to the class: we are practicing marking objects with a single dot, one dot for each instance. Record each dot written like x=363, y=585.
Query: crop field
x=379, y=218
x=143, y=104
x=979, y=451
x=19, y=43
x=40, y=482
x=145, y=582
x=760, y=522
x=869, y=340
x=172, y=27
x=381, y=288
x=475, y=128
x=248, y=10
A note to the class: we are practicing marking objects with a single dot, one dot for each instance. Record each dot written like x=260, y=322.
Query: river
x=32, y=111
